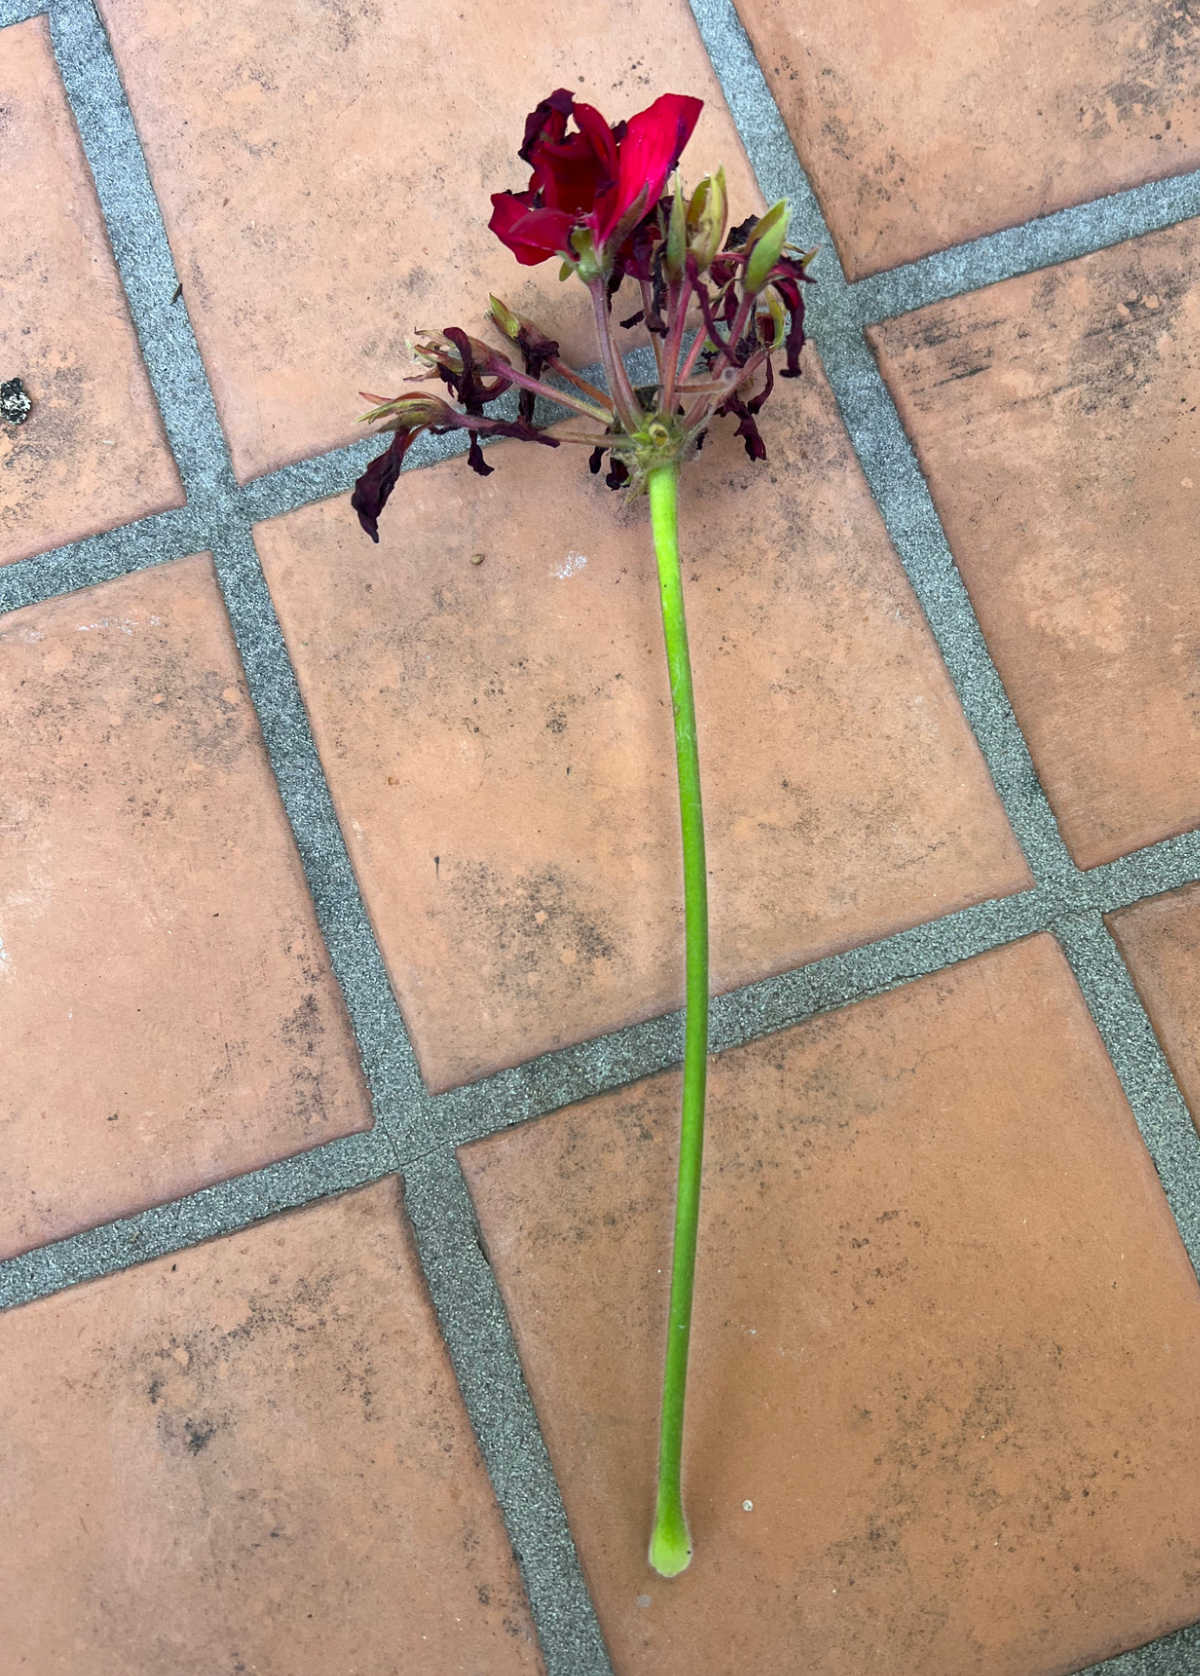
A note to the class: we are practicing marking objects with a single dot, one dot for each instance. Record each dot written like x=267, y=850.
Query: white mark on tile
x=125, y=624
x=5, y=961
x=572, y=563
x=747, y=1507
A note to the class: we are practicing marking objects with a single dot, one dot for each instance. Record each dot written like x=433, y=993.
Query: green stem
x=670, y=1544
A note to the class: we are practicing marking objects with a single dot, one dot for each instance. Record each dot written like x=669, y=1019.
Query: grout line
x=1162, y=1115
x=20, y=11
x=398, y=1096
x=470, y=1314
x=139, y=243
x=225, y=1208
x=1040, y=243
x=1156, y=1658
x=487, y=1366
x=153, y=540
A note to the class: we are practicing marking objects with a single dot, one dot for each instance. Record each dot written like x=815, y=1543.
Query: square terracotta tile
x=92, y=452
x=251, y=1457
x=325, y=173
x=946, y=1354
x=1054, y=417
x=498, y=741
x=1160, y=942
x=925, y=125
x=167, y=1006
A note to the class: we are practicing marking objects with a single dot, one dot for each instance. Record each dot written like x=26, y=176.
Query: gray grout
x=416, y=1132
x=492, y=1383
x=139, y=243
x=1128, y=1035
x=210, y=1213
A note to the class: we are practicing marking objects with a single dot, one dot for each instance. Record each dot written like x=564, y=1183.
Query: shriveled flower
x=408, y=416
x=601, y=198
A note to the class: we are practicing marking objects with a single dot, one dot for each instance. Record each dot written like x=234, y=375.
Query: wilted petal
x=547, y=121
x=373, y=488
x=575, y=172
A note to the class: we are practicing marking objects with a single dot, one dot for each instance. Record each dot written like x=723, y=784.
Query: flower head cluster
x=605, y=201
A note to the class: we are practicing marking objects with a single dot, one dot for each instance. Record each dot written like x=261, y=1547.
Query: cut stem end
x=670, y=1544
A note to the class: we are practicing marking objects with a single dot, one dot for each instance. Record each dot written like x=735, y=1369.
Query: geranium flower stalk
x=604, y=201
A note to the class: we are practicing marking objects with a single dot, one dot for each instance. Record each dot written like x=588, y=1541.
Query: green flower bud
x=677, y=240
x=405, y=413
x=587, y=263
x=508, y=322
x=706, y=219
x=765, y=246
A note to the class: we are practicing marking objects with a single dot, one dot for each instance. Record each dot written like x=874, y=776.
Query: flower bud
x=508, y=322
x=407, y=413
x=770, y=319
x=706, y=220
x=441, y=351
x=676, y=236
x=587, y=263
x=765, y=246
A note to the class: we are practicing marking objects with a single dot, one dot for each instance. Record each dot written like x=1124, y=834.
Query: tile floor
x=340, y=902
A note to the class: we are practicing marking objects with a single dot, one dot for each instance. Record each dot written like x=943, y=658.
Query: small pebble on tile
x=15, y=405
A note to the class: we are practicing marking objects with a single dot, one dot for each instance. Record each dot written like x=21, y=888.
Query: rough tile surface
x=925, y=125
x=1160, y=940
x=166, y=1003
x=251, y=1457
x=1054, y=417
x=935, y=1424
x=498, y=735
x=92, y=453
x=318, y=219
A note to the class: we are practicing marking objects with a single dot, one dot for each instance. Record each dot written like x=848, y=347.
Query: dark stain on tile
x=1154, y=60
x=344, y=18
x=198, y=1434
x=531, y=921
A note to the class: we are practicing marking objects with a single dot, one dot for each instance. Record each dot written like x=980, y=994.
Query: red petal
x=649, y=151
x=533, y=235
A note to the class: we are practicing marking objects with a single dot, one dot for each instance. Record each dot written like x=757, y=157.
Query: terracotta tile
x=946, y=1349
x=1160, y=941
x=498, y=735
x=923, y=126
x=167, y=1005
x=325, y=177
x=1054, y=418
x=92, y=454
x=252, y=1457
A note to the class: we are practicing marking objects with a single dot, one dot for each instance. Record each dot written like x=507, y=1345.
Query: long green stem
x=670, y=1544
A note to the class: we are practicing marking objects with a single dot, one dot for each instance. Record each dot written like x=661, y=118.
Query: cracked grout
x=415, y=1132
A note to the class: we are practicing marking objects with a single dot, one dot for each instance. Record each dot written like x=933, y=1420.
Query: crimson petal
x=533, y=235
x=650, y=149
